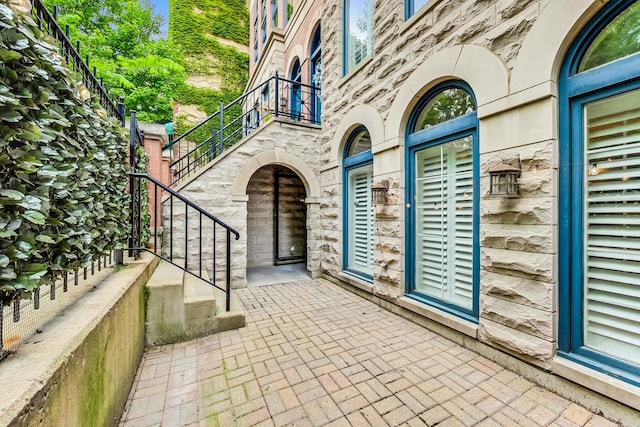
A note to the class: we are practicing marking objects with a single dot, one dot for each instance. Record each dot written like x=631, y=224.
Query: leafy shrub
x=62, y=164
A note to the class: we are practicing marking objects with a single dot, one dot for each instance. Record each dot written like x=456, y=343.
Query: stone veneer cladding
x=517, y=238
x=475, y=40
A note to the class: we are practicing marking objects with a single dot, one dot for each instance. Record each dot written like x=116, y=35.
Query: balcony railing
x=276, y=97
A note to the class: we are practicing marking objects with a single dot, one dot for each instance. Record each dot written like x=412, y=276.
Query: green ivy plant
x=62, y=164
x=142, y=162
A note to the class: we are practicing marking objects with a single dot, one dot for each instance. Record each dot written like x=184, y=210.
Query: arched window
x=358, y=211
x=296, y=91
x=315, y=68
x=442, y=208
x=600, y=194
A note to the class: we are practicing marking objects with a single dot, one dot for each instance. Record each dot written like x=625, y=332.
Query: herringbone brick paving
x=313, y=354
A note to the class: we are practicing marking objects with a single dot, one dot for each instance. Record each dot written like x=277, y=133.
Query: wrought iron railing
x=47, y=22
x=276, y=97
x=173, y=242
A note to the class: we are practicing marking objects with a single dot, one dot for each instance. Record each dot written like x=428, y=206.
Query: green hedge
x=62, y=164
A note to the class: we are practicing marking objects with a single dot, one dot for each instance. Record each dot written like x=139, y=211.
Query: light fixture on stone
x=504, y=179
x=379, y=192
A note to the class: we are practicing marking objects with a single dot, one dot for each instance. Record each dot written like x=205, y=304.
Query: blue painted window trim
x=315, y=55
x=410, y=8
x=349, y=163
x=296, y=91
x=466, y=125
x=575, y=90
x=345, y=40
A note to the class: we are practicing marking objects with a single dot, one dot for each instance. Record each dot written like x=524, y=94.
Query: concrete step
x=228, y=320
x=165, y=310
x=199, y=306
x=181, y=307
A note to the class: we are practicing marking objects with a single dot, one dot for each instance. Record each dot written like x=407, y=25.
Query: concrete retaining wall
x=80, y=369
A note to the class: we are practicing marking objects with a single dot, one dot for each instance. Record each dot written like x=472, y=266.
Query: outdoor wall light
x=379, y=192
x=504, y=179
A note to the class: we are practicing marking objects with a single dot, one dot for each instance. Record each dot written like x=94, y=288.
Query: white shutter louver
x=360, y=256
x=444, y=222
x=612, y=226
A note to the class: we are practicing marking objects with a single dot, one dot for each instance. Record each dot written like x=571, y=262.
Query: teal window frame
x=575, y=91
x=442, y=133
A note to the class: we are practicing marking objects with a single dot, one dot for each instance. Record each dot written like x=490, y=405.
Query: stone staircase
x=181, y=307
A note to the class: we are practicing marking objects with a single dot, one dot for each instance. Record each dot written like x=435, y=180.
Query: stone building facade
x=424, y=99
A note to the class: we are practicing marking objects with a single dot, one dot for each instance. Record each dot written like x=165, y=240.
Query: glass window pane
x=612, y=226
x=619, y=39
x=415, y=5
x=360, y=143
x=359, y=31
x=447, y=105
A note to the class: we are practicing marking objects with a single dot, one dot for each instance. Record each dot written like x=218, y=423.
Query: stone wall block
x=531, y=348
x=526, y=238
x=522, y=211
x=518, y=290
x=523, y=318
x=528, y=265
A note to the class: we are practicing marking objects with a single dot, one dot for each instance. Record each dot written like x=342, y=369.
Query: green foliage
x=195, y=26
x=193, y=22
x=142, y=162
x=62, y=164
x=122, y=40
x=619, y=39
x=208, y=99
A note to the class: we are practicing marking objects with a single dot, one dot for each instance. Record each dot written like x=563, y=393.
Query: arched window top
x=443, y=104
x=359, y=142
x=619, y=39
x=315, y=41
x=295, y=71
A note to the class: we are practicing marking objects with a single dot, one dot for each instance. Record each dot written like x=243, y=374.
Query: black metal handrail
x=170, y=253
x=47, y=22
x=275, y=97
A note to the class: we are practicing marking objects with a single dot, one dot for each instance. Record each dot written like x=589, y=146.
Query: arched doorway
x=276, y=226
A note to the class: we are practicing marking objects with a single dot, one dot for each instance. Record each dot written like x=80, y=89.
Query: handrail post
x=132, y=168
x=228, y=287
x=221, y=126
x=276, y=96
x=120, y=108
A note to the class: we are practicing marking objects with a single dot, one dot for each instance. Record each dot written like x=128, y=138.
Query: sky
x=161, y=7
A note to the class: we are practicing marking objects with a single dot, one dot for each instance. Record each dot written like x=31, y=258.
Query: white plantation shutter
x=444, y=222
x=612, y=226
x=360, y=220
x=462, y=208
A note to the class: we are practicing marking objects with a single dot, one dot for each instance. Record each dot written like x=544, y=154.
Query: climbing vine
x=62, y=164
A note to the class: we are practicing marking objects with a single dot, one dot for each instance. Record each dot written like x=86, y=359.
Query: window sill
x=446, y=319
x=597, y=381
x=356, y=281
x=355, y=70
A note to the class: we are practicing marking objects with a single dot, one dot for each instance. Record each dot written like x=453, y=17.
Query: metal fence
x=25, y=318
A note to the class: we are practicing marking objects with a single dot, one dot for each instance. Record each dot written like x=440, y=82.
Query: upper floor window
x=274, y=13
x=263, y=25
x=358, y=32
x=412, y=6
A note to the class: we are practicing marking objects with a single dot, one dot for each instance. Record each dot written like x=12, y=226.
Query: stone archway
x=281, y=193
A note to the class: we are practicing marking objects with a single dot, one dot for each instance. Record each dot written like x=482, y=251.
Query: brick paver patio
x=315, y=354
